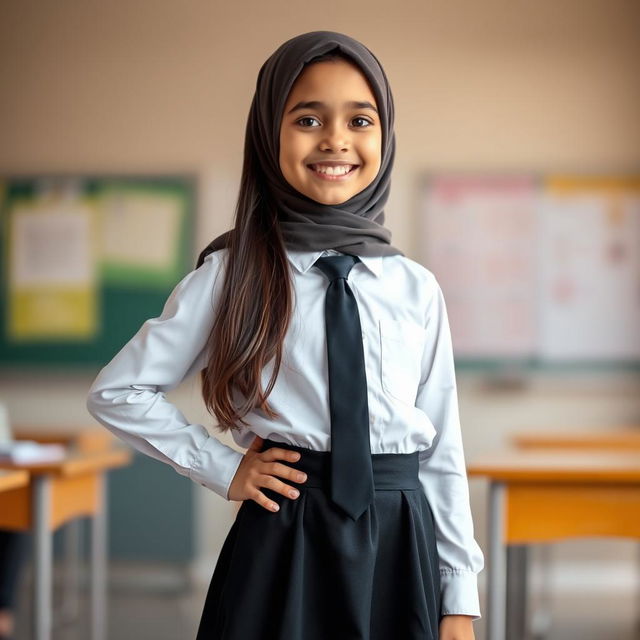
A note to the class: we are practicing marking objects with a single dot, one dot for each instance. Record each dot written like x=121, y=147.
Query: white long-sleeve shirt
x=411, y=382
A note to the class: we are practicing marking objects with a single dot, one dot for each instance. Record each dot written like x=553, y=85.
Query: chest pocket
x=401, y=347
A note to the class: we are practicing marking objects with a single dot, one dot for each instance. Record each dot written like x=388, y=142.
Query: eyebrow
x=316, y=104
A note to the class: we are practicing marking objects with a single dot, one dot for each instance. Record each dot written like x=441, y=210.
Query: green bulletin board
x=85, y=260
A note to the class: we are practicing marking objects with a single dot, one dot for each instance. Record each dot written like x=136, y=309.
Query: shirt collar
x=304, y=260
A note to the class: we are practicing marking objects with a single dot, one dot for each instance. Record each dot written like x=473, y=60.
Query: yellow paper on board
x=51, y=271
x=142, y=235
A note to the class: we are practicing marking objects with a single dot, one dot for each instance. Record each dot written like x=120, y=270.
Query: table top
x=560, y=466
x=90, y=438
x=77, y=462
x=79, y=459
x=616, y=438
x=13, y=479
x=90, y=449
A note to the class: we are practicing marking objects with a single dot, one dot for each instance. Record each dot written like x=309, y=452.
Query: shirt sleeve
x=442, y=468
x=128, y=395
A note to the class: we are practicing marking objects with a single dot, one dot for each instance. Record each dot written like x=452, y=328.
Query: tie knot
x=336, y=266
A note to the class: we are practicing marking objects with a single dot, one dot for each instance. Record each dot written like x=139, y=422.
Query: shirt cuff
x=215, y=465
x=460, y=593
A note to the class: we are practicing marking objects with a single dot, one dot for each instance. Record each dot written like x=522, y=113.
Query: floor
x=134, y=615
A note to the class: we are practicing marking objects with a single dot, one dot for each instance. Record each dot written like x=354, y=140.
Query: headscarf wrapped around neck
x=355, y=226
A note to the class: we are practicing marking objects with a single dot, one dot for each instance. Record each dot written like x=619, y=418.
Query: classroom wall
x=153, y=85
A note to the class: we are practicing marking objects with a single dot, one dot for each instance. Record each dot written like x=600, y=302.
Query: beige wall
x=157, y=85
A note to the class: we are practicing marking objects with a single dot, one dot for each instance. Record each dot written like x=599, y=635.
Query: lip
x=328, y=178
x=333, y=163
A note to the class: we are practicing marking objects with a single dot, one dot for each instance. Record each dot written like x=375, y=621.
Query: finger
x=276, y=453
x=284, y=471
x=276, y=485
x=265, y=502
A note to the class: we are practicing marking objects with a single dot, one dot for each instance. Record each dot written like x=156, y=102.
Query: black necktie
x=352, y=486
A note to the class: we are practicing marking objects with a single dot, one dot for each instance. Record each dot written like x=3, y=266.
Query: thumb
x=256, y=445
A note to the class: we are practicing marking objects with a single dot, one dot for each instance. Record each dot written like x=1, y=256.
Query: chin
x=329, y=200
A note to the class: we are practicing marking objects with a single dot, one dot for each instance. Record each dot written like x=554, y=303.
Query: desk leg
x=637, y=620
x=99, y=564
x=42, y=556
x=517, y=591
x=497, y=569
x=71, y=598
x=541, y=617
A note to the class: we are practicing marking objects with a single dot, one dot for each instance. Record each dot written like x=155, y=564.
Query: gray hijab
x=355, y=226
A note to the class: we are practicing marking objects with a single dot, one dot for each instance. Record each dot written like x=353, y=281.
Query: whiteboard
x=536, y=267
x=589, y=269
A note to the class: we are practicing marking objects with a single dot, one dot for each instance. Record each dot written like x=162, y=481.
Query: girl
x=319, y=151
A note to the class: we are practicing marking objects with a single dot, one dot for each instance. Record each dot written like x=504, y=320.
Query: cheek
x=288, y=161
x=289, y=150
x=373, y=149
x=373, y=155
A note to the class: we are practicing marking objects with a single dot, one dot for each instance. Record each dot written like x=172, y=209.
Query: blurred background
x=503, y=110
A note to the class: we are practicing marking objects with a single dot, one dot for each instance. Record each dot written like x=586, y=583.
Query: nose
x=336, y=137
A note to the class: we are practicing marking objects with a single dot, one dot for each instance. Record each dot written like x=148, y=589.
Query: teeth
x=332, y=171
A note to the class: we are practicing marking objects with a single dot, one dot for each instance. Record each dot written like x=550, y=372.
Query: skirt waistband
x=390, y=470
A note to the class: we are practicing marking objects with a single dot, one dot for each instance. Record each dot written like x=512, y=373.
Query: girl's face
x=330, y=133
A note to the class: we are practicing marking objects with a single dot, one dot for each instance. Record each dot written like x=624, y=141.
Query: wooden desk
x=59, y=492
x=546, y=496
x=10, y=480
x=616, y=439
x=620, y=438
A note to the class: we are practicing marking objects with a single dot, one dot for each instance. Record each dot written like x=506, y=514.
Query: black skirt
x=309, y=572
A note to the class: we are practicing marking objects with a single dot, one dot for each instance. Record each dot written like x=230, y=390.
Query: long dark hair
x=255, y=302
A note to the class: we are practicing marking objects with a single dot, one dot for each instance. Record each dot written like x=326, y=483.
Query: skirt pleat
x=309, y=572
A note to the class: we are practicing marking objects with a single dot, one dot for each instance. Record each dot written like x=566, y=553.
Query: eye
x=369, y=123
x=305, y=118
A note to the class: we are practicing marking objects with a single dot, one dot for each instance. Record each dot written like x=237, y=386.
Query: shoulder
x=202, y=280
x=397, y=266
x=212, y=268
x=214, y=260
x=411, y=283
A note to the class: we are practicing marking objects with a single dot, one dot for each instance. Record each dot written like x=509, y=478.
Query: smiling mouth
x=333, y=174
